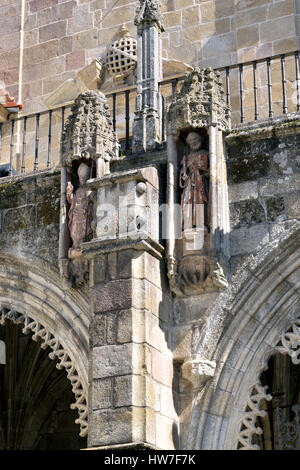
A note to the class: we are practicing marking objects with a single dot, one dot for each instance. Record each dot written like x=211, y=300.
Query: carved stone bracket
x=197, y=371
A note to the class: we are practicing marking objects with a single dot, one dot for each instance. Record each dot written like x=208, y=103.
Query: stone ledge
x=142, y=242
x=129, y=446
x=142, y=174
x=273, y=127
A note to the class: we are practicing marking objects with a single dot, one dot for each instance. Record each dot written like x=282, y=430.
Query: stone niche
x=88, y=145
x=198, y=219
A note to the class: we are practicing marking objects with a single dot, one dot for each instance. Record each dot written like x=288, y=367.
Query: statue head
x=83, y=173
x=194, y=140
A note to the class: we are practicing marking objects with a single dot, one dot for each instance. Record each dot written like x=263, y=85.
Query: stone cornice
x=278, y=127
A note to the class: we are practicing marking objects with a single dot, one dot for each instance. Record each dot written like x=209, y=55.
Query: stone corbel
x=197, y=371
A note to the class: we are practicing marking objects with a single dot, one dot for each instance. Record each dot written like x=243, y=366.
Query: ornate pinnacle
x=148, y=11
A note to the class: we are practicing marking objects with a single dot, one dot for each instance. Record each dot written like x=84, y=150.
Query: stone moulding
x=59, y=353
x=274, y=127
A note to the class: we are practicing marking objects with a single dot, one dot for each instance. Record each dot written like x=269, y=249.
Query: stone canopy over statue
x=196, y=122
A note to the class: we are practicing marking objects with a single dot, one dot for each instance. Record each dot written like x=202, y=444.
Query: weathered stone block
x=123, y=391
x=85, y=39
x=275, y=208
x=36, y=5
x=81, y=20
x=246, y=239
x=246, y=213
x=75, y=60
x=284, y=45
x=111, y=333
x=164, y=432
x=172, y=18
x=121, y=15
x=247, y=17
x=112, y=360
x=162, y=368
x=243, y=191
x=102, y=394
x=280, y=9
x=292, y=203
x=19, y=219
x=52, y=31
x=277, y=28
x=98, y=330
x=65, y=45
x=247, y=163
x=248, y=36
x=219, y=45
x=100, y=267
x=191, y=16
x=110, y=427
x=207, y=11
x=48, y=212
x=114, y=295
x=125, y=327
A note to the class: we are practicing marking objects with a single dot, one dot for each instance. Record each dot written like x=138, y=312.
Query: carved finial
x=124, y=32
x=149, y=11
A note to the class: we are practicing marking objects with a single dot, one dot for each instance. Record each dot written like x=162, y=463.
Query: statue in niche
x=80, y=218
x=194, y=182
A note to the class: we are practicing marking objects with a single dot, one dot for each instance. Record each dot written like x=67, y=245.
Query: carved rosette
x=88, y=132
x=200, y=103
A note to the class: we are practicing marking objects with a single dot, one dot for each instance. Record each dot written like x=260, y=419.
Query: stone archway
x=32, y=295
x=244, y=329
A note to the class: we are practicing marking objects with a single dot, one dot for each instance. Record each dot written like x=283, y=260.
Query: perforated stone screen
x=121, y=57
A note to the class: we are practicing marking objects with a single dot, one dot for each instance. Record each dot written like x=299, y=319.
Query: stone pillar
x=131, y=403
x=147, y=120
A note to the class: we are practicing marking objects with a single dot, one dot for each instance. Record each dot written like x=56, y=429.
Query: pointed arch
x=33, y=295
x=244, y=329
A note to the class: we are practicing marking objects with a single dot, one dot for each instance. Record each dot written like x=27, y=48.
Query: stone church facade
x=149, y=224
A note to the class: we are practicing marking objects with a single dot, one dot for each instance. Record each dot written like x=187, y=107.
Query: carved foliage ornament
x=48, y=339
x=149, y=11
x=88, y=132
x=201, y=102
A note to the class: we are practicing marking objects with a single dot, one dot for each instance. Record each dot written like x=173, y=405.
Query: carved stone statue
x=194, y=181
x=80, y=220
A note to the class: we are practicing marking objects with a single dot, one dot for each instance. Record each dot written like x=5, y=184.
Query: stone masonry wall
x=29, y=217
x=264, y=189
x=62, y=36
